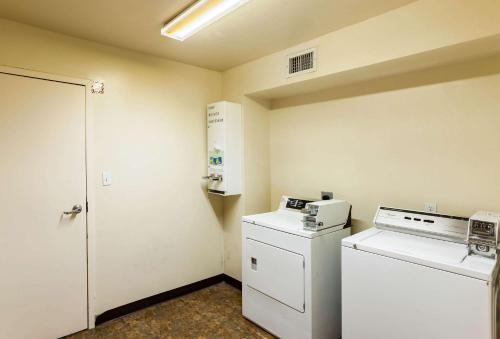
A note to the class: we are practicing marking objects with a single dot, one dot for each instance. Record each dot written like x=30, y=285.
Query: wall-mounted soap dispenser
x=224, y=148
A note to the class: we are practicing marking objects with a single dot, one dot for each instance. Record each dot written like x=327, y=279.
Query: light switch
x=106, y=178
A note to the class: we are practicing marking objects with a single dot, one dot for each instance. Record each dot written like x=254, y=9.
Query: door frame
x=91, y=178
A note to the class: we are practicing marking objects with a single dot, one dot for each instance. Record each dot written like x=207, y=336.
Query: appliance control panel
x=323, y=214
x=293, y=204
x=482, y=236
x=433, y=225
x=482, y=228
x=296, y=204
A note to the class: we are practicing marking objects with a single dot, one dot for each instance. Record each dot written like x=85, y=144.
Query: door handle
x=76, y=209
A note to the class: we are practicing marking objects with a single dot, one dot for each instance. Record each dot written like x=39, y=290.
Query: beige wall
x=423, y=136
x=420, y=27
x=156, y=227
x=402, y=139
x=399, y=140
x=431, y=137
x=256, y=171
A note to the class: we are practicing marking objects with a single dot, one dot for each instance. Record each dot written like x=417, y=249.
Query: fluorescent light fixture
x=198, y=16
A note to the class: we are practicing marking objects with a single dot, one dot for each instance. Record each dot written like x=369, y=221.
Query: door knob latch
x=76, y=209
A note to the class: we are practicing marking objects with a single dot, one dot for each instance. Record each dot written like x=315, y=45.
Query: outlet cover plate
x=430, y=207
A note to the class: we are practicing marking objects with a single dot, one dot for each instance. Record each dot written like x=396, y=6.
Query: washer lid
x=440, y=254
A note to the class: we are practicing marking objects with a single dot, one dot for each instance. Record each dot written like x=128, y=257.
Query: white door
x=43, y=252
x=276, y=272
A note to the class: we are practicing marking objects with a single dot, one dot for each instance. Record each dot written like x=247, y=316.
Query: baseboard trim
x=231, y=281
x=134, y=306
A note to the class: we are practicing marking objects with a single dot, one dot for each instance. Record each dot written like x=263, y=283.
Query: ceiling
x=258, y=28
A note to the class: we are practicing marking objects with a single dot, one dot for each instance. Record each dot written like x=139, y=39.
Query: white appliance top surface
x=440, y=254
x=432, y=225
x=285, y=221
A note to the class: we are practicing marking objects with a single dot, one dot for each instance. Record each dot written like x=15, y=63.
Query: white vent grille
x=302, y=62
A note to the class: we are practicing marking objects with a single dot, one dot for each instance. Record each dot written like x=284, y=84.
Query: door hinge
x=87, y=206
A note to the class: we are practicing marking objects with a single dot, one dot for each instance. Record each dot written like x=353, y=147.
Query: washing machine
x=414, y=275
x=291, y=276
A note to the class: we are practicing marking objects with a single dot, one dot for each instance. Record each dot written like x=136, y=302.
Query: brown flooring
x=214, y=312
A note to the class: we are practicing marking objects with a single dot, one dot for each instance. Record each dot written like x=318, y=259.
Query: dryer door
x=276, y=272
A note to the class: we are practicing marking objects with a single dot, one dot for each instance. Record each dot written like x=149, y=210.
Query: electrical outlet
x=430, y=207
x=326, y=195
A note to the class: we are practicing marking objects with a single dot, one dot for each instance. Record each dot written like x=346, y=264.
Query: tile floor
x=214, y=312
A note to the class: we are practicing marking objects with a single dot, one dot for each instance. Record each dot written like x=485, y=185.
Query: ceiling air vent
x=301, y=62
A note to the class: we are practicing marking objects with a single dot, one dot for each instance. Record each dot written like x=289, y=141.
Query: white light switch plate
x=430, y=207
x=106, y=178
